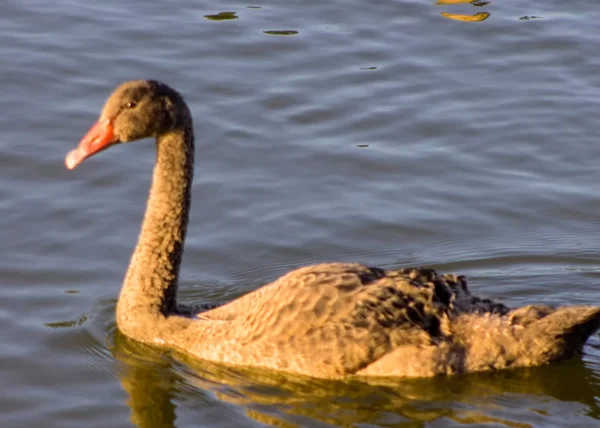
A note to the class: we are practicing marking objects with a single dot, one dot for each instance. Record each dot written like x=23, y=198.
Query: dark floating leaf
x=67, y=324
x=71, y=291
x=480, y=3
x=362, y=145
x=281, y=32
x=368, y=68
x=527, y=18
x=222, y=16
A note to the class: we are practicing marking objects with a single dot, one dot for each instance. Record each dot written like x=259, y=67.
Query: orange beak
x=100, y=136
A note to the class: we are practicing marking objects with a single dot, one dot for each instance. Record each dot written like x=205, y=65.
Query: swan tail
x=562, y=333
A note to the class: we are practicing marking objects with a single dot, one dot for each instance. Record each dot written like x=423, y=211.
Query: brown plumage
x=328, y=320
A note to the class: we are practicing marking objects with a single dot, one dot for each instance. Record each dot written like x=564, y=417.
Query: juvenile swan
x=329, y=320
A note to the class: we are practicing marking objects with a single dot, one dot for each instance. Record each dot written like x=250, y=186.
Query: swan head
x=137, y=109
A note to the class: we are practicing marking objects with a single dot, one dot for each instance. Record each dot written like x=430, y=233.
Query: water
x=385, y=133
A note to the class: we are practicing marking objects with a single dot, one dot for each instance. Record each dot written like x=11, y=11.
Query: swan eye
x=130, y=104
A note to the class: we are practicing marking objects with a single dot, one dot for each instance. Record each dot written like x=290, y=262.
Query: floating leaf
x=67, y=324
x=281, y=32
x=478, y=17
x=222, y=16
x=454, y=1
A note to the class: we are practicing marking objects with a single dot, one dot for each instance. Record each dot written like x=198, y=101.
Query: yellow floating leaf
x=454, y=1
x=478, y=17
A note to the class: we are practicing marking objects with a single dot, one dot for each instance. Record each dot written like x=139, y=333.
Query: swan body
x=328, y=320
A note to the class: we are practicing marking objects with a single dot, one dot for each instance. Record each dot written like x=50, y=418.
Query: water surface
x=385, y=133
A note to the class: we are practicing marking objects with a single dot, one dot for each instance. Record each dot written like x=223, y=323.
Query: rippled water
x=395, y=133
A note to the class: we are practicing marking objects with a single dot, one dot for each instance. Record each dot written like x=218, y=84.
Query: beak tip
x=73, y=159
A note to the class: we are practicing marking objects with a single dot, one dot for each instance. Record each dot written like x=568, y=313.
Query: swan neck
x=150, y=286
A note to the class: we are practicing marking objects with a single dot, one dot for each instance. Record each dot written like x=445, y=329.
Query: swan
x=330, y=320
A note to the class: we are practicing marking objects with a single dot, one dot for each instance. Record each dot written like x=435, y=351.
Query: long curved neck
x=150, y=285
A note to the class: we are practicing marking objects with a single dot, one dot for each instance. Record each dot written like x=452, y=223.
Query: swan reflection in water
x=158, y=384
